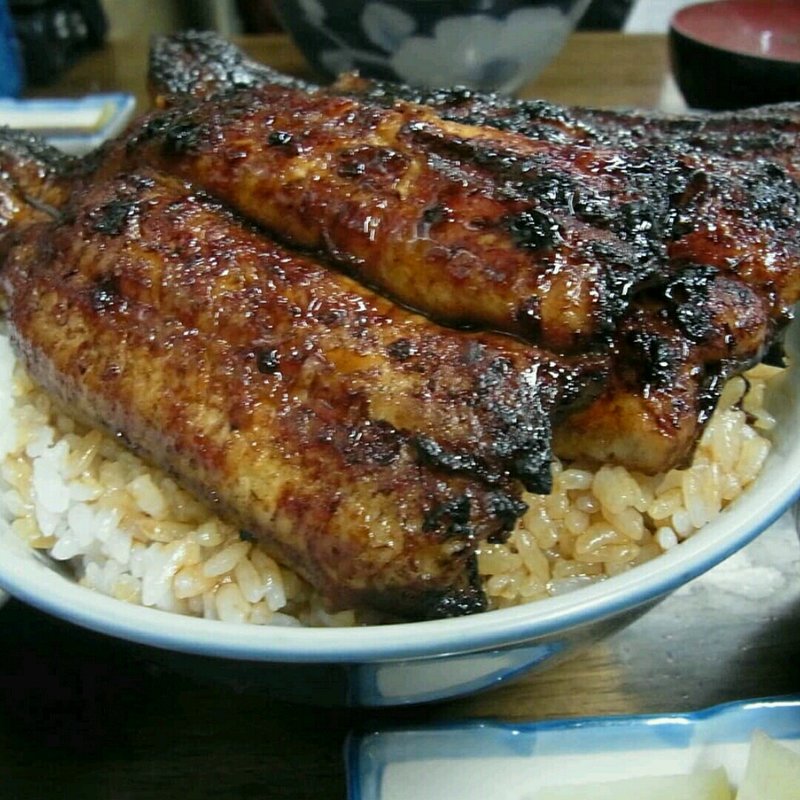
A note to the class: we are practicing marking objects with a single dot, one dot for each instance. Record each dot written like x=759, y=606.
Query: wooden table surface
x=80, y=717
x=600, y=69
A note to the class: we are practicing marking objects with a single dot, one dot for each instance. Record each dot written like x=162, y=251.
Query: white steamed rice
x=129, y=531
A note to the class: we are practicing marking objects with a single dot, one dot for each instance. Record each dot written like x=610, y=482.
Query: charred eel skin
x=717, y=211
x=719, y=189
x=362, y=445
x=769, y=132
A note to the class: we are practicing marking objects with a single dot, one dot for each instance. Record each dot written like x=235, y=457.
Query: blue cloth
x=11, y=79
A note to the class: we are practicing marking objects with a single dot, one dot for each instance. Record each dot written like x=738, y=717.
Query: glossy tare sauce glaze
x=722, y=190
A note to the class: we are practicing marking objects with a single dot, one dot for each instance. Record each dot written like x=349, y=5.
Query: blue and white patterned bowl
x=484, y=44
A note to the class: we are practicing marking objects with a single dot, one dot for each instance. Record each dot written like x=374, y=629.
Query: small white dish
x=473, y=761
x=75, y=126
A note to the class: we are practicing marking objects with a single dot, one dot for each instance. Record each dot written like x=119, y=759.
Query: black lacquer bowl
x=730, y=54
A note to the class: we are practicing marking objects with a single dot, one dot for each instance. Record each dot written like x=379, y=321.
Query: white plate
x=476, y=761
x=75, y=126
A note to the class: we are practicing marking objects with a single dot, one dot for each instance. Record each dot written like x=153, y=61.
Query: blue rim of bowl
x=774, y=491
x=36, y=584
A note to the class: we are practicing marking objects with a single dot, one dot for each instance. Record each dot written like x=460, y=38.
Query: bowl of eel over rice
x=174, y=560
x=310, y=654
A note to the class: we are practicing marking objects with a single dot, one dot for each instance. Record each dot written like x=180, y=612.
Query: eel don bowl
x=423, y=661
x=731, y=54
x=483, y=44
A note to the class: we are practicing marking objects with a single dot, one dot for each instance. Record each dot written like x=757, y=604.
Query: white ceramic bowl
x=423, y=661
x=736, y=53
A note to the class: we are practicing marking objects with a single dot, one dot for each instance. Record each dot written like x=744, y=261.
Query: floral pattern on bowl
x=491, y=46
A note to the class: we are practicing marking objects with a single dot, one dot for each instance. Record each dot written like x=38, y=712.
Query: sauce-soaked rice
x=131, y=532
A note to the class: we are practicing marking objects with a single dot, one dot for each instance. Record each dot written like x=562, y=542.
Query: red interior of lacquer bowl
x=762, y=28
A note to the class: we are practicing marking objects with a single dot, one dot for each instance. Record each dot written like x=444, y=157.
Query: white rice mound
x=128, y=530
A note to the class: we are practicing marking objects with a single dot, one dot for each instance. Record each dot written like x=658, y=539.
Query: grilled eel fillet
x=670, y=359
x=733, y=255
x=688, y=155
x=343, y=432
x=666, y=208
x=732, y=177
x=468, y=225
x=728, y=272
x=202, y=64
x=732, y=249
x=732, y=282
